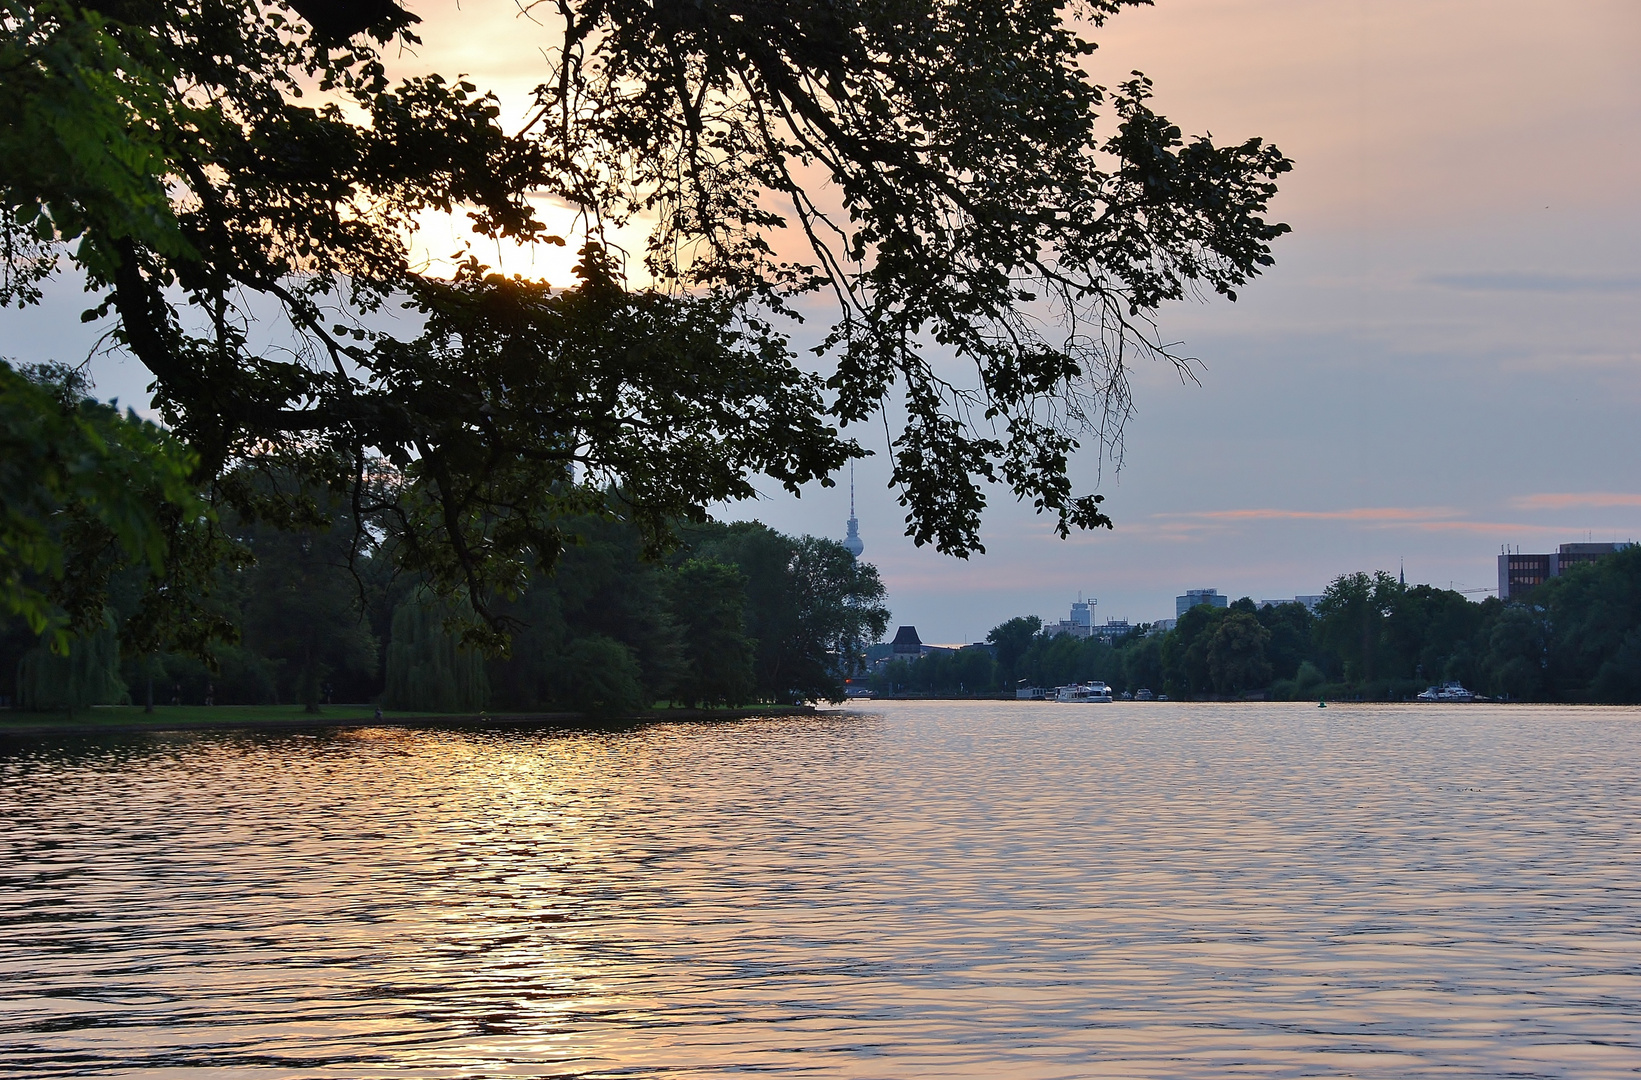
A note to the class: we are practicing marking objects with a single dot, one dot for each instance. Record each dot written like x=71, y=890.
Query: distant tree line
x=1576, y=638
x=307, y=613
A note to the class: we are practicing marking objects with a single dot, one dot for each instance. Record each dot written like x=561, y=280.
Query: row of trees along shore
x=1576, y=638
x=737, y=614
x=299, y=591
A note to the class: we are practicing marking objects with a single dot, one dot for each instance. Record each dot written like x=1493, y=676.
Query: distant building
x=1309, y=602
x=852, y=542
x=1081, y=623
x=1112, y=629
x=908, y=646
x=1519, y=572
x=1196, y=597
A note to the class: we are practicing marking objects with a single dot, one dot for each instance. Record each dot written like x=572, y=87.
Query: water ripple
x=944, y=889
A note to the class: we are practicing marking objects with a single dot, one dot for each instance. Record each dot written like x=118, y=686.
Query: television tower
x=851, y=542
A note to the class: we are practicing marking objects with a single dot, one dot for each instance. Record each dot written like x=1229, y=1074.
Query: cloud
x=1575, y=500
x=1516, y=282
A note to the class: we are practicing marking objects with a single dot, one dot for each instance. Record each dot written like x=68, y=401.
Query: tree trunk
x=310, y=682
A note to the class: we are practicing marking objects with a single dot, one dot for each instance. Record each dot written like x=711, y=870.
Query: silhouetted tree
x=1012, y=639
x=427, y=666
x=708, y=601
x=1236, y=654
x=164, y=153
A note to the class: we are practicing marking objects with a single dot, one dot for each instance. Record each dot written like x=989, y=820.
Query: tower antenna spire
x=851, y=541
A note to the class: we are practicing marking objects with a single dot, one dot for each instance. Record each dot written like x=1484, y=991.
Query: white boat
x=1448, y=691
x=1083, y=693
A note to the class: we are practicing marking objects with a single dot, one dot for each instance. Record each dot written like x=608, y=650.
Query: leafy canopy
x=961, y=186
x=83, y=491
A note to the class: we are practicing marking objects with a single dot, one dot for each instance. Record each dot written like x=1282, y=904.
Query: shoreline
x=299, y=721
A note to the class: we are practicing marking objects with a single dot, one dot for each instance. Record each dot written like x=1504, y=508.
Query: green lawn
x=132, y=716
x=126, y=715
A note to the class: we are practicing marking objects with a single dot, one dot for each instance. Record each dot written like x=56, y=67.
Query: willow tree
x=995, y=229
x=88, y=674
x=427, y=668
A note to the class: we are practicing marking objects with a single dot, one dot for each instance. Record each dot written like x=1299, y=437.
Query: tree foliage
x=200, y=165
x=1012, y=639
x=300, y=601
x=1236, y=654
x=608, y=631
x=1577, y=637
x=811, y=607
x=600, y=676
x=427, y=667
x=708, y=600
x=1593, y=616
x=87, y=673
x=85, y=490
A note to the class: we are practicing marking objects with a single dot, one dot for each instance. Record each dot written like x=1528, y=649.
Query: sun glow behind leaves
x=441, y=241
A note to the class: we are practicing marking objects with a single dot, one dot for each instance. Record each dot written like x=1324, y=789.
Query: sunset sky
x=1446, y=357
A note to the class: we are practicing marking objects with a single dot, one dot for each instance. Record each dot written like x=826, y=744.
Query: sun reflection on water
x=930, y=890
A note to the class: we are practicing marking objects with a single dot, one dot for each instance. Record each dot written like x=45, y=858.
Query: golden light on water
x=955, y=889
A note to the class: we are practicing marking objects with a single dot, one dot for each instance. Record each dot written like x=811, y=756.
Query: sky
x=1445, y=359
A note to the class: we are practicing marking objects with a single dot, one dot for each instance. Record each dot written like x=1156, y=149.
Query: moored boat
x=1448, y=691
x=1083, y=693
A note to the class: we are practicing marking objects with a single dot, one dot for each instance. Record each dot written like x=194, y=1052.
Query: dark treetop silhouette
x=203, y=165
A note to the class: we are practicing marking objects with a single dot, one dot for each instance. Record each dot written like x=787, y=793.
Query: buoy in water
x=1321, y=704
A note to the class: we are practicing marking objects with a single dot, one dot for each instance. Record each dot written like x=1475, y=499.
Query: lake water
x=920, y=890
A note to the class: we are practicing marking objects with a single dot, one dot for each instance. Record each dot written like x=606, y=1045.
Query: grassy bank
x=116, y=718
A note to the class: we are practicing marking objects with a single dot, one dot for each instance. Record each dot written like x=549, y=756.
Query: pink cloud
x=1575, y=500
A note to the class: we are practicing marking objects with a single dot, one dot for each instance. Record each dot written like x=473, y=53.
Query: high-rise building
x=1194, y=597
x=1519, y=572
x=1081, y=623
